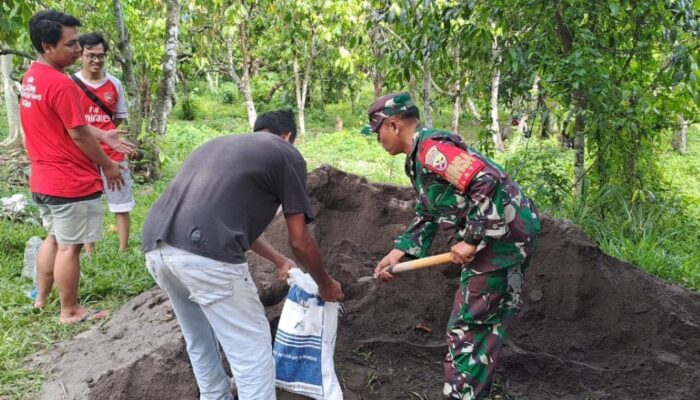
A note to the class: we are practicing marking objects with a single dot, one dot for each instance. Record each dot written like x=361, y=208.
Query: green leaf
x=614, y=8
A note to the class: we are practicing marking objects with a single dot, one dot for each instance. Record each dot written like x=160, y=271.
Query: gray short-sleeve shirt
x=225, y=195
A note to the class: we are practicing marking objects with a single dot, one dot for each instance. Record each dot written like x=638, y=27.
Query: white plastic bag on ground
x=305, y=341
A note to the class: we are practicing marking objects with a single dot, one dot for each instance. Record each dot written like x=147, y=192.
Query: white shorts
x=122, y=200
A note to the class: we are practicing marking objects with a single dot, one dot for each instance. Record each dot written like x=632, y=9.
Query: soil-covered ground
x=591, y=327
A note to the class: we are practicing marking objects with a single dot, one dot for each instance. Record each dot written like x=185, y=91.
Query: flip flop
x=93, y=315
x=90, y=316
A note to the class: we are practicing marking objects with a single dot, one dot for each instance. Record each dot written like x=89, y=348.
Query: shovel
x=419, y=263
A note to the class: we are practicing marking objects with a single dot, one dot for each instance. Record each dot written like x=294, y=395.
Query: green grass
x=354, y=153
x=682, y=172
x=656, y=232
x=3, y=123
x=108, y=280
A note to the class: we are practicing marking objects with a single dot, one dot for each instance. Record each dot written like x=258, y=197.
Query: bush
x=228, y=96
x=653, y=233
x=543, y=170
x=188, y=110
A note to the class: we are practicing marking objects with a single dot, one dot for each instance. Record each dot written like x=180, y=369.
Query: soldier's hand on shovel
x=389, y=266
x=393, y=258
x=462, y=252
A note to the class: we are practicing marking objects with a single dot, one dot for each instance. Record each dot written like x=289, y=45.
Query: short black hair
x=93, y=39
x=46, y=26
x=412, y=112
x=278, y=122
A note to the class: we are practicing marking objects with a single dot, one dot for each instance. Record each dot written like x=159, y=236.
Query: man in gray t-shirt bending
x=196, y=237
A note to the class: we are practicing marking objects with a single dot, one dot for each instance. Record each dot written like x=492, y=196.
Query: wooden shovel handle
x=440, y=259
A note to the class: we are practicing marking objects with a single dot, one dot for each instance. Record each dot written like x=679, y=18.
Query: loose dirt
x=591, y=327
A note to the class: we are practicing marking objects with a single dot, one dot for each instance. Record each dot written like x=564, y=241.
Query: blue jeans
x=214, y=301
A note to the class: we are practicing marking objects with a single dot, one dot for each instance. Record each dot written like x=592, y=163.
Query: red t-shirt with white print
x=111, y=92
x=49, y=106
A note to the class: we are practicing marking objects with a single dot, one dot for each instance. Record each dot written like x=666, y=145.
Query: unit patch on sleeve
x=450, y=162
x=435, y=159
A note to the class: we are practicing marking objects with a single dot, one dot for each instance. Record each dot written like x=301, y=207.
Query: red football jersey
x=49, y=106
x=109, y=91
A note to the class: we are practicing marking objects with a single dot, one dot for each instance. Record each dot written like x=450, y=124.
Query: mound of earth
x=591, y=327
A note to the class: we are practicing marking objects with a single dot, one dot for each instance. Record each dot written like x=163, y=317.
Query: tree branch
x=276, y=87
x=395, y=35
x=17, y=53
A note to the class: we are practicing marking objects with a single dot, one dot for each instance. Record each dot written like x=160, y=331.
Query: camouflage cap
x=385, y=107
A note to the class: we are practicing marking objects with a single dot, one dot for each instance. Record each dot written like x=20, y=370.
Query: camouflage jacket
x=458, y=188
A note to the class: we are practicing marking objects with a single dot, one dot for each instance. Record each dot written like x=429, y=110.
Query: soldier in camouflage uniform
x=495, y=228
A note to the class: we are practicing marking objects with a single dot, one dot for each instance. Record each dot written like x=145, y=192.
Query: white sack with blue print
x=305, y=341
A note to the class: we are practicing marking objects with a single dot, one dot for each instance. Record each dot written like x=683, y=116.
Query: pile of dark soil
x=591, y=327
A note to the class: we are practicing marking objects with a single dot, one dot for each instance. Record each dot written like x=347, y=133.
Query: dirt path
x=591, y=327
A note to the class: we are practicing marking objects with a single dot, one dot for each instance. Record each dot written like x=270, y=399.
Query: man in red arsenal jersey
x=64, y=154
x=104, y=104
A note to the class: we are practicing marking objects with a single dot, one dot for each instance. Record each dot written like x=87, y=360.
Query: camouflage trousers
x=483, y=306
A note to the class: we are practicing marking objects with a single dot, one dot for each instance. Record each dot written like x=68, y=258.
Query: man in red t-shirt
x=64, y=152
x=104, y=103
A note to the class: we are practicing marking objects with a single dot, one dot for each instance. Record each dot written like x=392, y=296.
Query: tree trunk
x=15, y=137
x=472, y=109
x=354, y=98
x=680, y=137
x=425, y=94
x=378, y=82
x=243, y=80
x=579, y=100
x=579, y=152
x=377, y=53
x=213, y=84
x=525, y=116
x=456, y=110
x=412, y=86
x=245, y=76
x=546, y=121
x=457, y=96
x=166, y=91
x=126, y=60
x=145, y=162
x=297, y=92
x=302, y=83
x=145, y=93
x=495, y=83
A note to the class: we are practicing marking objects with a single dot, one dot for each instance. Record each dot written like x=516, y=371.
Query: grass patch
x=658, y=233
x=108, y=280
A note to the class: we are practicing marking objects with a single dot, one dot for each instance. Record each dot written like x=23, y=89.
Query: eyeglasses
x=95, y=57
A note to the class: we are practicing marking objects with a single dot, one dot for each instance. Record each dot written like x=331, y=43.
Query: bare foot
x=89, y=248
x=84, y=315
x=39, y=303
